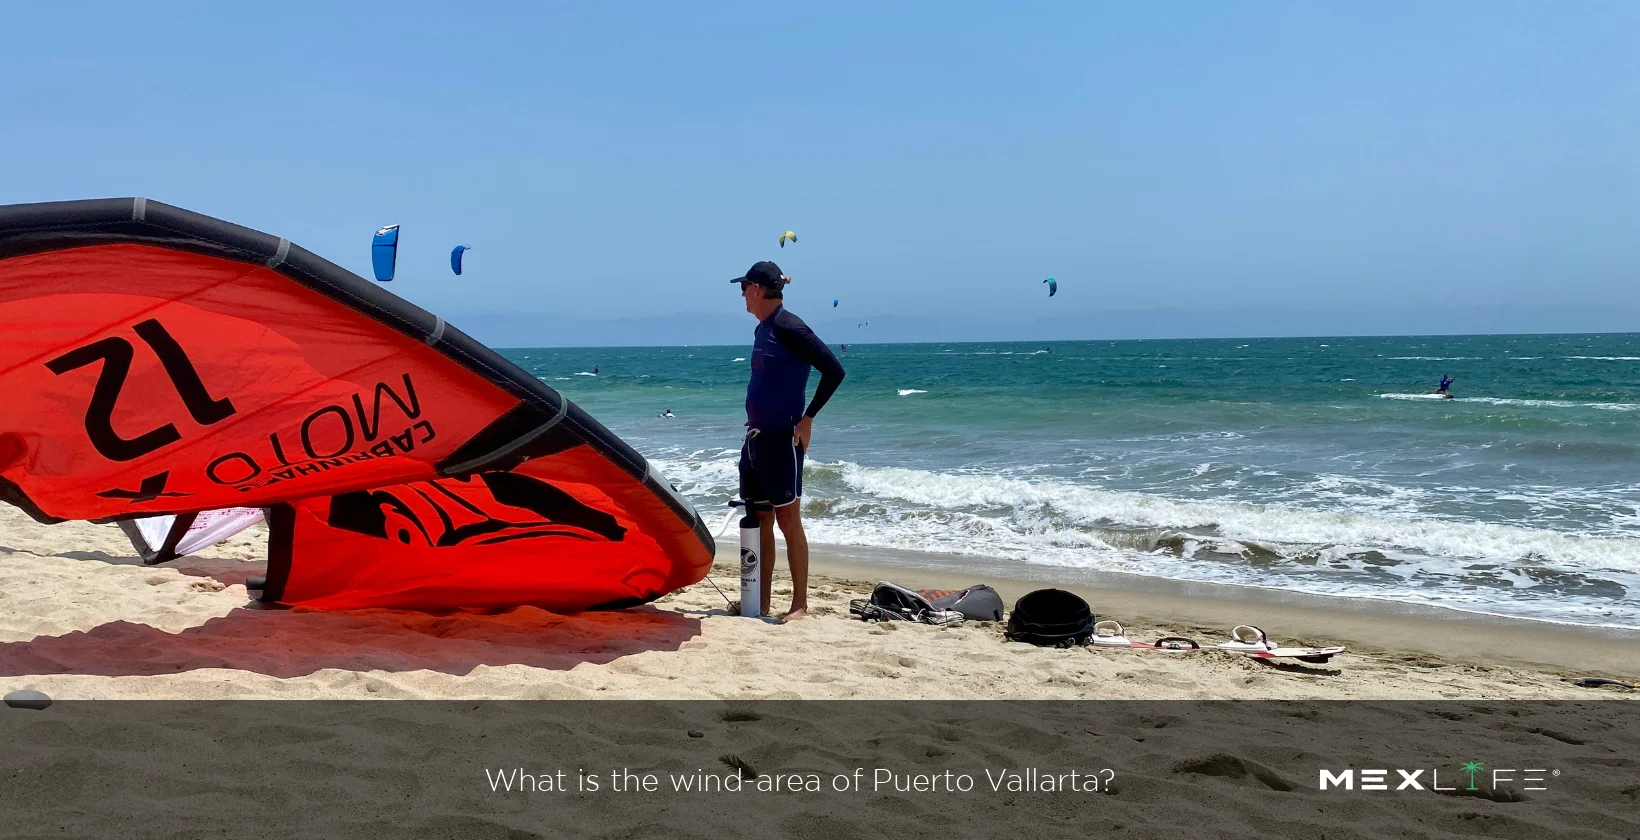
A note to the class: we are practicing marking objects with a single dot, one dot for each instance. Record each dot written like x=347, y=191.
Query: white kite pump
x=751, y=562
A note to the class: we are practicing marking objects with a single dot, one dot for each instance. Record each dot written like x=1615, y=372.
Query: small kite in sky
x=384, y=252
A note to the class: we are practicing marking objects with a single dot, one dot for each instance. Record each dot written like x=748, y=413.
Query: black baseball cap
x=763, y=273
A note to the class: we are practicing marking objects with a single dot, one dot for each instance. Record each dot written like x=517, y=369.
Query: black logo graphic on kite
x=494, y=508
x=116, y=354
x=151, y=488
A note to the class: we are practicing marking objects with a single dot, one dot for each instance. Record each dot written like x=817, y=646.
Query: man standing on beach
x=777, y=424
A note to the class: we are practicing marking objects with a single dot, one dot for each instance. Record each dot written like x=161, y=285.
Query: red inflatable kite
x=156, y=361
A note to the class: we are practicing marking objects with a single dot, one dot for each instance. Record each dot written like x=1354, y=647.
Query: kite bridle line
x=729, y=517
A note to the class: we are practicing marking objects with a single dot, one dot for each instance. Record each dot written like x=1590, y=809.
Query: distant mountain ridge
x=548, y=330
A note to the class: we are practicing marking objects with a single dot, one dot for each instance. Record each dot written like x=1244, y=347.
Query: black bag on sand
x=976, y=603
x=890, y=602
x=1051, y=617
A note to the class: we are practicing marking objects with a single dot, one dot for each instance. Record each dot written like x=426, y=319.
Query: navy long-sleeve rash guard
x=783, y=351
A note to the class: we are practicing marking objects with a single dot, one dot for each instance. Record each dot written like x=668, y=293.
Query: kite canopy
x=788, y=236
x=161, y=538
x=455, y=257
x=384, y=252
x=1053, y=286
x=162, y=362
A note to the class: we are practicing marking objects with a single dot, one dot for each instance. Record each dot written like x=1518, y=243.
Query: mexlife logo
x=1473, y=772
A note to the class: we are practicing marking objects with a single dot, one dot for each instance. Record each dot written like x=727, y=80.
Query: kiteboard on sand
x=1110, y=634
x=1250, y=640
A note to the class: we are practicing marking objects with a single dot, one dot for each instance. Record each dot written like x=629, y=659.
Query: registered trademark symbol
x=1554, y=772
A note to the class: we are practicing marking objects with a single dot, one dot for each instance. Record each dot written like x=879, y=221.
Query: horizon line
x=1090, y=340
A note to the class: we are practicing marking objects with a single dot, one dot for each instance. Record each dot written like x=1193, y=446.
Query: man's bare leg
x=797, y=558
x=765, y=557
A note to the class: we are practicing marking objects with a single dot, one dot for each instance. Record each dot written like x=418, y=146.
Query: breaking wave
x=1478, y=566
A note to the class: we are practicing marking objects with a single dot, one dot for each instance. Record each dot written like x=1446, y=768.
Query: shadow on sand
x=292, y=643
x=229, y=572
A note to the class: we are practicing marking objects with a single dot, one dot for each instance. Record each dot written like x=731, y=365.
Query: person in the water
x=668, y=413
x=1446, y=385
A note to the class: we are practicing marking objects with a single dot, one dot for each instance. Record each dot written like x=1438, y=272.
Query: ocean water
x=1317, y=465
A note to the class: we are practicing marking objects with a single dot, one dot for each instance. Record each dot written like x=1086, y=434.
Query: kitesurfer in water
x=594, y=370
x=778, y=426
x=668, y=414
x=1445, y=386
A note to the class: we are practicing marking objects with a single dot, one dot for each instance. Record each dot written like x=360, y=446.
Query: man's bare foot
x=795, y=614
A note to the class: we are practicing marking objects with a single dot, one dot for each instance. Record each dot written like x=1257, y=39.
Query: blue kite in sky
x=384, y=252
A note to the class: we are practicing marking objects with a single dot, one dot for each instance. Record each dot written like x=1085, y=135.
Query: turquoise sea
x=1316, y=465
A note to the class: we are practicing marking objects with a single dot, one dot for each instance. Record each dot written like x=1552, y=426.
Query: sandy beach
x=81, y=618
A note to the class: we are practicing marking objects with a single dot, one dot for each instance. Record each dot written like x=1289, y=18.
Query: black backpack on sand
x=891, y=602
x=1051, y=617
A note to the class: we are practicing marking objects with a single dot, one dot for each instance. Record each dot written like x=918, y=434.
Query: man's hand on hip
x=805, y=427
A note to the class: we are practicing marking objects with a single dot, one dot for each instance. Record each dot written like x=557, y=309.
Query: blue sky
x=617, y=162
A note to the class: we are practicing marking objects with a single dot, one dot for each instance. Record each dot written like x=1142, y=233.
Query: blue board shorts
x=771, y=467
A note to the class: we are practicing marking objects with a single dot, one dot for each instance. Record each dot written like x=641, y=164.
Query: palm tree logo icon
x=1472, y=768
